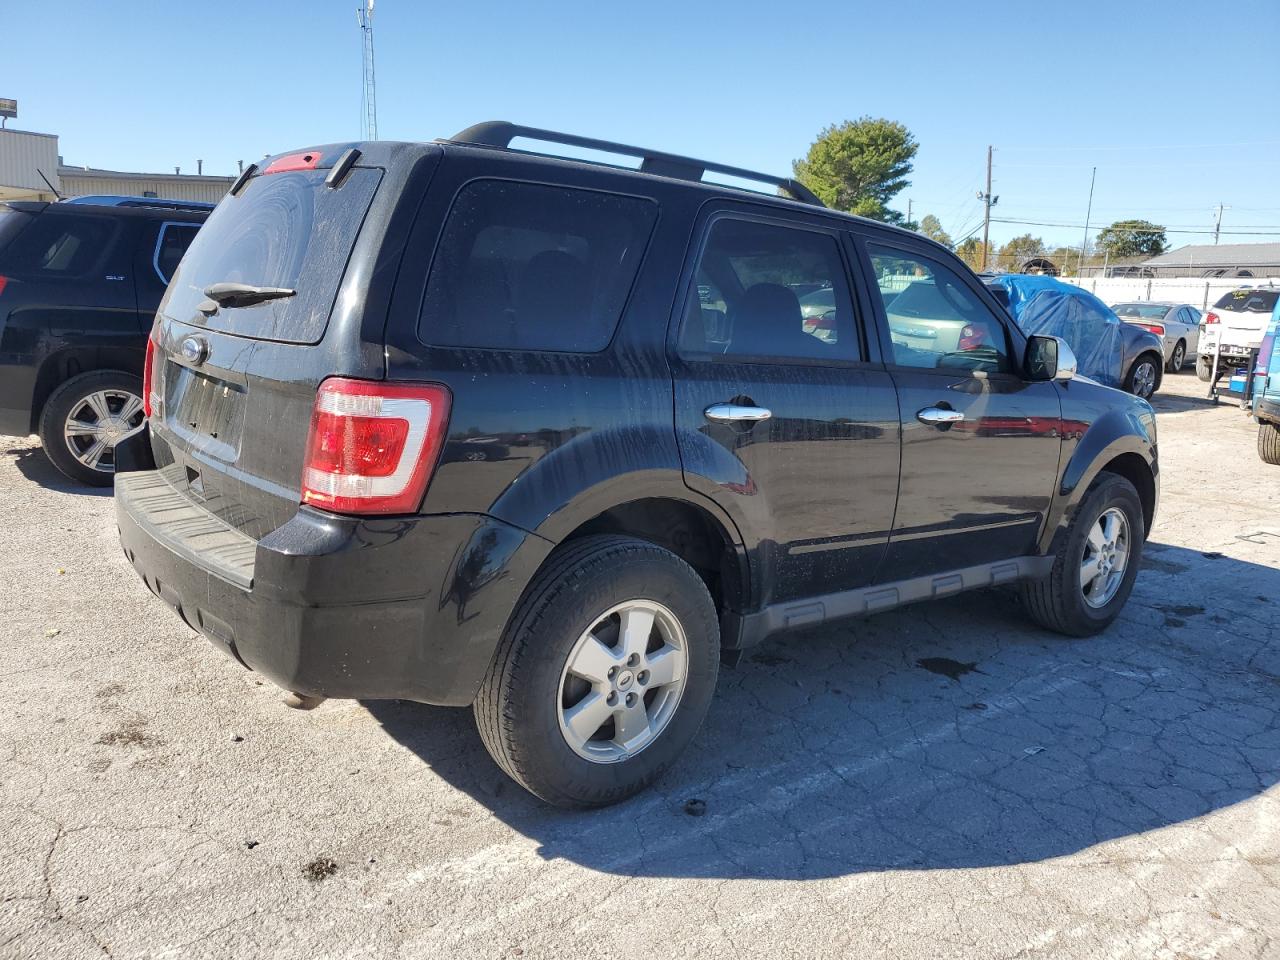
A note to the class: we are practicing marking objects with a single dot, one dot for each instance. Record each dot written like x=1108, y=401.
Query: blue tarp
x=1048, y=307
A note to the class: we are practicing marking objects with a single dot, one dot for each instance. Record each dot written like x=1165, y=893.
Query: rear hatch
x=1243, y=316
x=235, y=372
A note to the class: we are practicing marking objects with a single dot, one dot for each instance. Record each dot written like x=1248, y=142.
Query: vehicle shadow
x=1177, y=403
x=36, y=467
x=946, y=735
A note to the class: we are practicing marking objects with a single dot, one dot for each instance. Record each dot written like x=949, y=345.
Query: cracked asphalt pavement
x=943, y=781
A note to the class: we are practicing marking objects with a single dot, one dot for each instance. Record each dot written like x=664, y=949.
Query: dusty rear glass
x=524, y=266
x=283, y=230
x=1249, y=301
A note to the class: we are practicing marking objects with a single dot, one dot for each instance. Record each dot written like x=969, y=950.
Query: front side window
x=765, y=290
x=935, y=320
x=172, y=244
x=524, y=266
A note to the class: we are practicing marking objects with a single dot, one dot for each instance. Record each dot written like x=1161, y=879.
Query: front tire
x=1144, y=377
x=84, y=418
x=1095, y=565
x=1269, y=443
x=604, y=673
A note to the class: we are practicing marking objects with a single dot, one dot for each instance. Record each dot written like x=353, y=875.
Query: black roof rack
x=500, y=133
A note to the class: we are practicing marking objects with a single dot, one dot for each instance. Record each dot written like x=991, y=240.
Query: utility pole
x=1087, y=214
x=369, y=89
x=1217, y=225
x=988, y=201
x=909, y=213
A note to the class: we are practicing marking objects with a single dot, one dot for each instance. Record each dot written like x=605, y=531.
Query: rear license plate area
x=206, y=412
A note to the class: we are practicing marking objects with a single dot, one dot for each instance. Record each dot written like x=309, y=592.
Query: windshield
x=1143, y=311
x=1249, y=301
x=284, y=230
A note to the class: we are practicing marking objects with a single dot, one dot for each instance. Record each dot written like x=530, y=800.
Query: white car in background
x=1238, y=321
x=1176, y=324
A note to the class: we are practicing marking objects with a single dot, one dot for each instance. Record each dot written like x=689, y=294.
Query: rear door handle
x=735, y=413
x=936, y=416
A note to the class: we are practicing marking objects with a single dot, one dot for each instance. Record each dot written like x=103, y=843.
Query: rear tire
x=1144, y=376
x=84, y=418
x=1204, y=368
x=525, y=709
x=1269, y=443
x=1179, y=357
x=1063, y=602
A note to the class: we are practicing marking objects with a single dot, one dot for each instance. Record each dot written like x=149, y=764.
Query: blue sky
x=1173, y=101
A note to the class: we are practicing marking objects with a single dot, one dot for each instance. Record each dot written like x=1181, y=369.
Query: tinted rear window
x=1250, y=301
x=283, y=230
x=1141, y=311
x=524, y=266
x=174, y=240
x=59, y=245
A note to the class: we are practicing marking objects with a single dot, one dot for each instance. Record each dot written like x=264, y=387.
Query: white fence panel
x=1197, y=292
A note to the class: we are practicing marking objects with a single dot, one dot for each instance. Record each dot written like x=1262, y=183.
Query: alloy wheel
x=1179, y=358
x=1106, y=557
x=622, y=681
x=97, y=422
x=1144, y=379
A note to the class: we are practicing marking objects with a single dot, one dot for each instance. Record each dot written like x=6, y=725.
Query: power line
x=1270, y=229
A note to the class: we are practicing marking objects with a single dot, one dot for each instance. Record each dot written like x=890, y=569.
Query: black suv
x=79, y=287
x=468, y=425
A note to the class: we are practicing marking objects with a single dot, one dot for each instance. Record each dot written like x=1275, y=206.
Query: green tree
x=1132, y=238
x=859, y=166
x=931, y=227
x=1018, y=250
x=970, y=251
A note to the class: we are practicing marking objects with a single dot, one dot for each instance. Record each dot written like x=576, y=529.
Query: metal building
x=24, y=156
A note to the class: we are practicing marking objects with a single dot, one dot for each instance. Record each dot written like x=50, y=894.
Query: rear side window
x=284, y=230
x=58, y=245
x=1249, y=301
x=173, y=243
x=524, y=266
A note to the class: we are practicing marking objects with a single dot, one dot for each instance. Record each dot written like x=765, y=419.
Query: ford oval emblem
x=194, y=349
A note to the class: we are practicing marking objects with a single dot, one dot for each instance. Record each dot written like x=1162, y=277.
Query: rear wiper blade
x=241, y=295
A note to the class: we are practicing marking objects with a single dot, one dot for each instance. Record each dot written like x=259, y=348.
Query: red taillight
x=373, y=446
x=1211, y=317
x=4, y=282
x=294, y=161
x=150, y=400
x=970, y=338
x=1155, y=328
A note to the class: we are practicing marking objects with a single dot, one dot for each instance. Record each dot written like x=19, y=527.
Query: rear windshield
x=283, y=230
x=524, y=266
x=1141, y=311
x=1249, y=301
x=11, y=221
x=56, y=244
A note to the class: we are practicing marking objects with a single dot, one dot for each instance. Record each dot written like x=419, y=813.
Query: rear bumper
x=396, y=607
x=1267, y=410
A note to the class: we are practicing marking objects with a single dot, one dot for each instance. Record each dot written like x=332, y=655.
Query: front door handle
x=736, y=413
x=937, y=416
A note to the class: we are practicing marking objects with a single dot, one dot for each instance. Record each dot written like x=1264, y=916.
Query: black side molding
x=740, y=630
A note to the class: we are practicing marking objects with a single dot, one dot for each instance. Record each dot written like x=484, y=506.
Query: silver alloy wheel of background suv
x=97, y=422
x=622, y=681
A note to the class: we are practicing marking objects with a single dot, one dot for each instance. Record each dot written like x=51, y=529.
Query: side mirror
x=1050, y=358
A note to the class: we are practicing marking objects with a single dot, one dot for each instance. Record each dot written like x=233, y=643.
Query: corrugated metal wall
x=22, y=154
x=209, y=189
